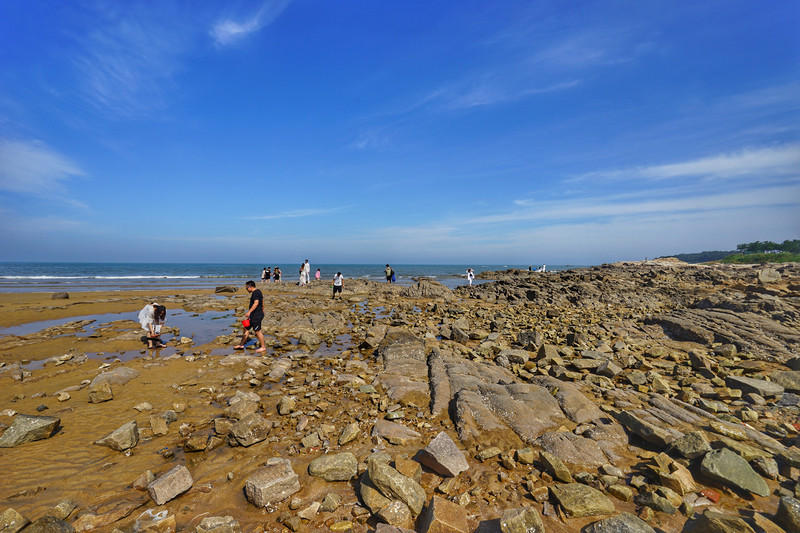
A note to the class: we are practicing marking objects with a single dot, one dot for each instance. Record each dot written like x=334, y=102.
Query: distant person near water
x=269, y=274
x=306, y=272
x=277, y=274
x=264, y=275
x=152, y=317
x=542, y=268
x=338, y=285
x=255, y=314
x=318, y=275
x=389, y=274
x=470, y=275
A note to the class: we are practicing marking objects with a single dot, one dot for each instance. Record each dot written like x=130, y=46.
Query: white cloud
x=761, y=162
x=32, y=167
x=228, y=31
x=297, y=214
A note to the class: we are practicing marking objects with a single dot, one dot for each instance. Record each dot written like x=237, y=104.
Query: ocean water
x=48, y=277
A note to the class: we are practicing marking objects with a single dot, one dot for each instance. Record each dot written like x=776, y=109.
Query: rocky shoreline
x=654, y=396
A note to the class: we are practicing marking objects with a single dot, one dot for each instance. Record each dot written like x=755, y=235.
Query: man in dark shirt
x=256, y=315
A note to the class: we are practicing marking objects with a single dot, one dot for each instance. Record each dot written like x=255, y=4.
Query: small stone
x=522, y=520
x=788, y=514
x=443, y=456
x=11, y=521
x=489, y=453
x=526, y=456
x=29, y=428
x=581, y=500
x=621, y=492
x=349, y=433
x=331, y=502
x=443, y=516
x=275, y=482
x=123, y=438
x=170, y=485
x=621, y=523
x=555, y=467
x=731, y=469
x=712, y=520
x=334, y=467
x=218, y=524
x=397, y=514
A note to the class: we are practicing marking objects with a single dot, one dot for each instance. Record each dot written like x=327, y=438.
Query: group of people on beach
x=269, y=273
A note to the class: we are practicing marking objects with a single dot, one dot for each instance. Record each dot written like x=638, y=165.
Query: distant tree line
x=703, y=257
x=769, y=247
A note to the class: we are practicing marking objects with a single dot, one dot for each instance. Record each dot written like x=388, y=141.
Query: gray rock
x=764, y=388
x=443, y=456
x=241, y=409
x=555, y=467
x=275, y=482
x=649, y=432
x=349, y=433
x=522, y=520
x=118, y=376
x=330, y=503
x=225, y=288
x=251, y=429
x=395, y=485
x=218, y=524
x=788, y=514
x=396, y=513
x=121, y=439
x=170, y=484
x=691, y=445
x=621, y=523
x=794, y=363
x=729, y=468
x=519, y=357
x=60, y=296
x=789, y=380
x=11, y=521
x=334, y=467
x=29, y=428
x=580, y=500
x=768, y=275
x=655, y=502
x=48, y=524
x=395, y=433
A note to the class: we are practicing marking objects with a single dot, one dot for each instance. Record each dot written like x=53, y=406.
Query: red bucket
x=246, y=322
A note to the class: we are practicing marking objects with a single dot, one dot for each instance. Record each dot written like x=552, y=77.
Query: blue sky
x=404, y=132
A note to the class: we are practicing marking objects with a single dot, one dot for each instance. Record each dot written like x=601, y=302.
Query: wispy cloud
x=32, y=167
x=761, y=162
x=300, y=213
x=227, y=31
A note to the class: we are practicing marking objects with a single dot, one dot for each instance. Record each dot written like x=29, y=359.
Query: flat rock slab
x=29, y=428
x=732, y=470
x=580, y=500
x=522, y=520
x=443, y=516
x=170, y=485
x=764, y=388
x=219, y=524
x=396, y=486
x=443, y=456
x=118, y=376
x=621, y=523
x=334, y=467
x=395, y=433
x=275, y=482
x=251, y=429
x=789, y=380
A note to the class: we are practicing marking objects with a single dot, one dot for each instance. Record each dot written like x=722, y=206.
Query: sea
x=57, y=277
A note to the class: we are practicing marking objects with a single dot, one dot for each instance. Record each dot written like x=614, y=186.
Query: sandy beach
x=568, y=396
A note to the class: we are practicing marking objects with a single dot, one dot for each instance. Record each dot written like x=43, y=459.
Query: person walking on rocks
x=338, y=285
x=389, y=274
x=152, y=317
x=470, y=275
x=306, y=272
x=255, y=314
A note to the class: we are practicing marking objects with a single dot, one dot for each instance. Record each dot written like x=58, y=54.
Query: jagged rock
x=732, y=470
x=330, y=503
x=788, y=514
x=272, y=483
x=123, y=438
x=712, y=521
x=427, y=288
x=395, y=485
x=649, y=432
x=443, y=456
x=555, y=467
x=335, y=467
x=29, y=428
x=349, y=433
x=218, y=524
x=655, y=502
x=225, y=288
x=241, y=409
x=522, y=520
x=170, y=484
x=397, y=514
x=580, y=500
x=443, y=516
x=621, y=523
x=251, y=429
x=690, y=446
x=100, y=393
x=370, y=495
x=766, y=389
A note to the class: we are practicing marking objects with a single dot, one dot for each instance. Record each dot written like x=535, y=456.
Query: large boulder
x=29, y=428
x=118, y=376
x=580, y=500
x=334, y=467
x=730, y=469
x=273, y=483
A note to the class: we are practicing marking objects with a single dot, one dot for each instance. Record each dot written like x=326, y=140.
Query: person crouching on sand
x=255, y=314
x=151, y=318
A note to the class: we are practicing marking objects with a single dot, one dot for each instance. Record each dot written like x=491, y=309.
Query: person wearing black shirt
x=256, y=315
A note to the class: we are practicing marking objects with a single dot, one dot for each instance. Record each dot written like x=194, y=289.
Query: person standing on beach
x=338, y=285
x=151, y=317
x=470, y=275
x=389, y=274
x=306, y=272
x=318, y=275
x=277, y=274
x=264, y=275
x=256, y=315
x=269, y=275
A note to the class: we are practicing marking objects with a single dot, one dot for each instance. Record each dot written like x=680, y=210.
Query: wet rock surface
x=626, y=397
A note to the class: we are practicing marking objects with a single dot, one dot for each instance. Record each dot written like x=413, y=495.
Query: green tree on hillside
x=769, y=247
